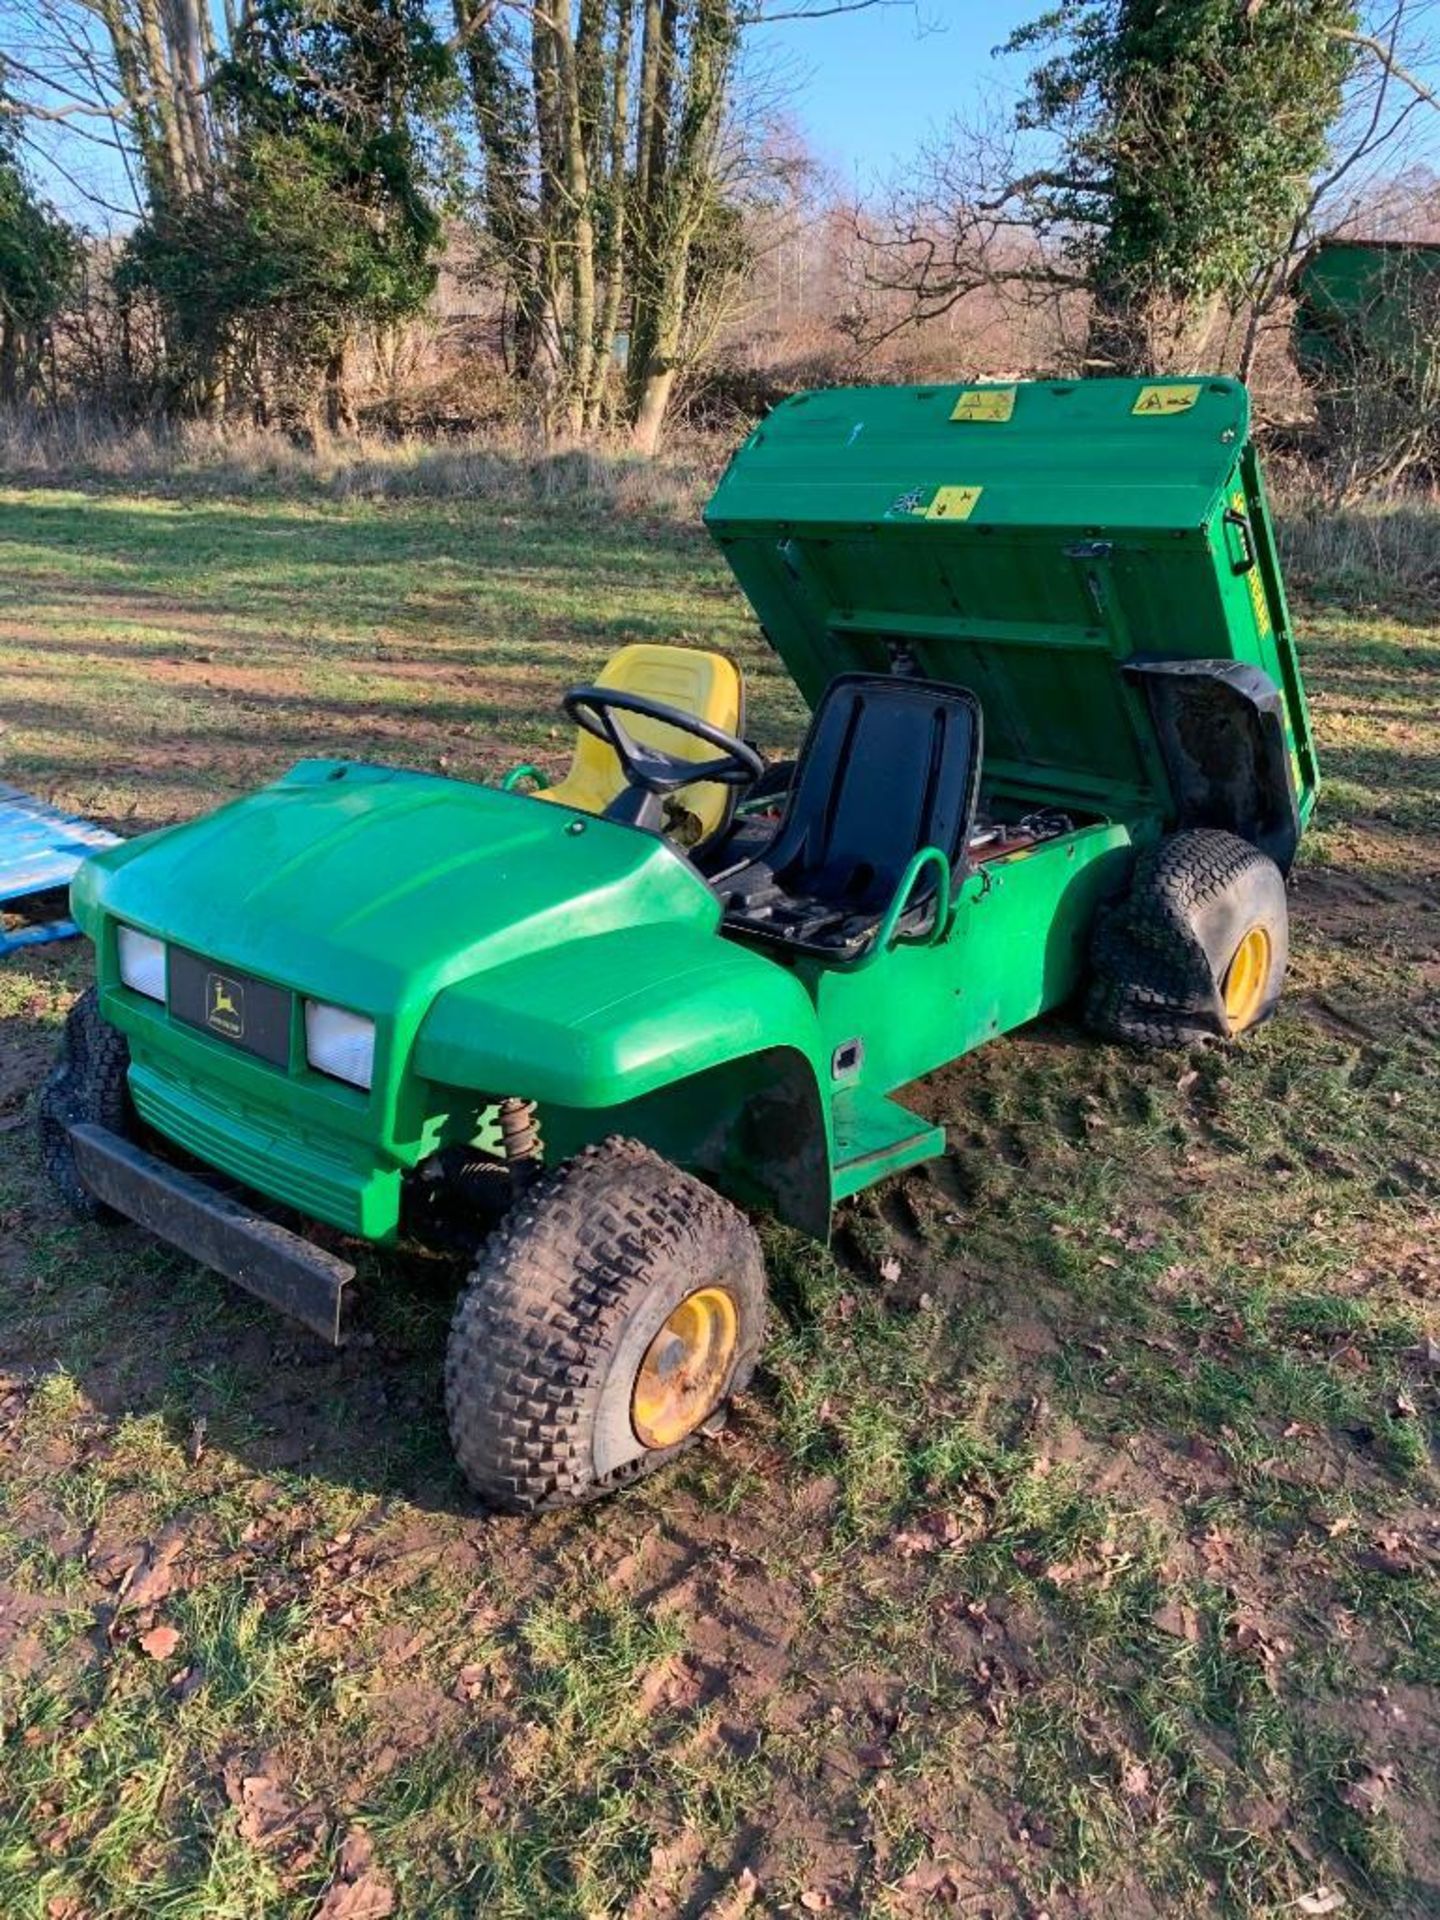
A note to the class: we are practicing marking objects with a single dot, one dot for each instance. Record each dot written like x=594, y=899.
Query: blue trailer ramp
x=40, y=848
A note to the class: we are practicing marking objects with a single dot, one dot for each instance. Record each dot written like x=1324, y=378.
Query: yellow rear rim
x=1246, y=978
x=686, y=1366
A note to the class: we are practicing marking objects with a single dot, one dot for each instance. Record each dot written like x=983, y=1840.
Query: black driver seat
x=889, y=766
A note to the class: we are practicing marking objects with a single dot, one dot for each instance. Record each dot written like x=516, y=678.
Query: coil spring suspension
x=520, y=1139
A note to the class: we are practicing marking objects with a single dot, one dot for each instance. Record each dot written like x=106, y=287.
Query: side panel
x=703, y=1048
x=1301, y=738
x=1017, y=947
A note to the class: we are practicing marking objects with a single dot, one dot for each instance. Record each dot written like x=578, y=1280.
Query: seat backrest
x=706, y=684
x=889, y=766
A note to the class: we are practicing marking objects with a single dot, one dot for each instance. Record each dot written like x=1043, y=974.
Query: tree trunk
x=550, y=351
x=677, y=202
x=580, y=223
x=160, y=106
x=339, y=413
x=9, y=360
x=617, y=192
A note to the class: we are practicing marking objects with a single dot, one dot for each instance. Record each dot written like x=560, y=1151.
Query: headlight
x=142, y=962
x=339, y=1043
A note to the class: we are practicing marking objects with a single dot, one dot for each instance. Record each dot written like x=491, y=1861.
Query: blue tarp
x=40, y=848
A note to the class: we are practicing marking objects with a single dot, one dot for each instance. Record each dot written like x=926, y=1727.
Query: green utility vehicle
x=1059, y=748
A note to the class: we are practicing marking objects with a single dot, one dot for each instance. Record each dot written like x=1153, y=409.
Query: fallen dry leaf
x=890, y=1269
x=1179, y=1621
x=188, y=1681
x=469, y=1682
x=1217, y=1550
x=814, y=1901
x=371, y=1897
x=1135, y=1781
x=1322, y=1900
x=1368, y=1792
x=357, y=1853
x=1393, y=1553
x=153, y=1578
x=738, y=1898
x=934, y=1880
x=358, y=1891
x=264, y=1805
x=161, y=1643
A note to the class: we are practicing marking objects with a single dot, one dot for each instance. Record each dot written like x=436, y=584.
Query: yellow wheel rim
x=1245, y=980
x=685, y=1369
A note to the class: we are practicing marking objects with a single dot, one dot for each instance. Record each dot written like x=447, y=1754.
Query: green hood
x=368, y=885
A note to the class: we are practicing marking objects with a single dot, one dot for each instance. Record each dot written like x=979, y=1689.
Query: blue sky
x=870, y=85
x=866, y=87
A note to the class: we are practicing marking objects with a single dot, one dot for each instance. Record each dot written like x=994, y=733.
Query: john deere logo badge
x=225, y=1006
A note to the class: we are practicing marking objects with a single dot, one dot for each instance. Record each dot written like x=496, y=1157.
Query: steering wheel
x=649, y=770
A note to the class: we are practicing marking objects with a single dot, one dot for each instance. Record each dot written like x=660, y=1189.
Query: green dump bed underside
x=1024, y=541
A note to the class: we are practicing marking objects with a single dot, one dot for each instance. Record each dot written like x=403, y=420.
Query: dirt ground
x=1076, y=1551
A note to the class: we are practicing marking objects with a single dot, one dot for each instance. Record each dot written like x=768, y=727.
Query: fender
x=710, y=1052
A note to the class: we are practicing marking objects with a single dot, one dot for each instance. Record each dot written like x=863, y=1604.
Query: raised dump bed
x=1094, y=560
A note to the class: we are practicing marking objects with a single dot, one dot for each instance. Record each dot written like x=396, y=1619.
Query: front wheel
x=610, y=1318
x=88, y=1085
x=1196, y=950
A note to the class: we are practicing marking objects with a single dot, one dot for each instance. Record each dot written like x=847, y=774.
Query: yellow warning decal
x=953, y=503
x=1252, y=579
x=985, y=403
x=1157, y=400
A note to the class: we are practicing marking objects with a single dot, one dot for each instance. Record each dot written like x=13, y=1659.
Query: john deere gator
x=1058, y=753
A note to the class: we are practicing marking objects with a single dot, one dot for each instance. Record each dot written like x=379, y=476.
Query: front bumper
x=288, y=1273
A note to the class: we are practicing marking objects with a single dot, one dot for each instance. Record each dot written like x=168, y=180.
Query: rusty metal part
x=520, y=1140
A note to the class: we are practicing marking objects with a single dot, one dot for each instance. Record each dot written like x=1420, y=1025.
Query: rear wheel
x=1197, y=950
x=606, y=1323
x=88, y=1085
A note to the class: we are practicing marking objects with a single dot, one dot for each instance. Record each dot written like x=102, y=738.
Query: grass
x=1076, y=1551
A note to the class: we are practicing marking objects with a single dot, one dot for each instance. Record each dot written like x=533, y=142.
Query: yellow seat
x=705, y=684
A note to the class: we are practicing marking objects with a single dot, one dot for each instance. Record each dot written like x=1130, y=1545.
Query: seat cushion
x=889, y=766
x=705, y=684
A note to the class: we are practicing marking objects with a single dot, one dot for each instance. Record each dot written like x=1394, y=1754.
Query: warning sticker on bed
x=985, y=403
x=1157, y=400
x=953, y=503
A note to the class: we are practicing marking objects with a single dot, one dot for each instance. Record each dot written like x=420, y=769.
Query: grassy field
x=1076, y=1553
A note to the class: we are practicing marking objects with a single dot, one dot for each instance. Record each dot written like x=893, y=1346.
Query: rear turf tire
x=1197, y=949
x=560, y=1317
x=88, y=1085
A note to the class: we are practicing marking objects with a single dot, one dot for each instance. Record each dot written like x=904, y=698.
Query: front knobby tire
x=605, y=1324
x=1196, y=950
x=88, y=1085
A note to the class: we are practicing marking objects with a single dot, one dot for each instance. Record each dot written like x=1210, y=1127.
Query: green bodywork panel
x=1032, y=551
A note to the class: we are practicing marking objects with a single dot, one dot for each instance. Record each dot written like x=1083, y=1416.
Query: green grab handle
x=886, y=937
x=524, y=772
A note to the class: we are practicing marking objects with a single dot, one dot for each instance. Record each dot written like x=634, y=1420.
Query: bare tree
x=1386, y=106
x=618, y=168
x=1118, y=207
x=131, y=77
